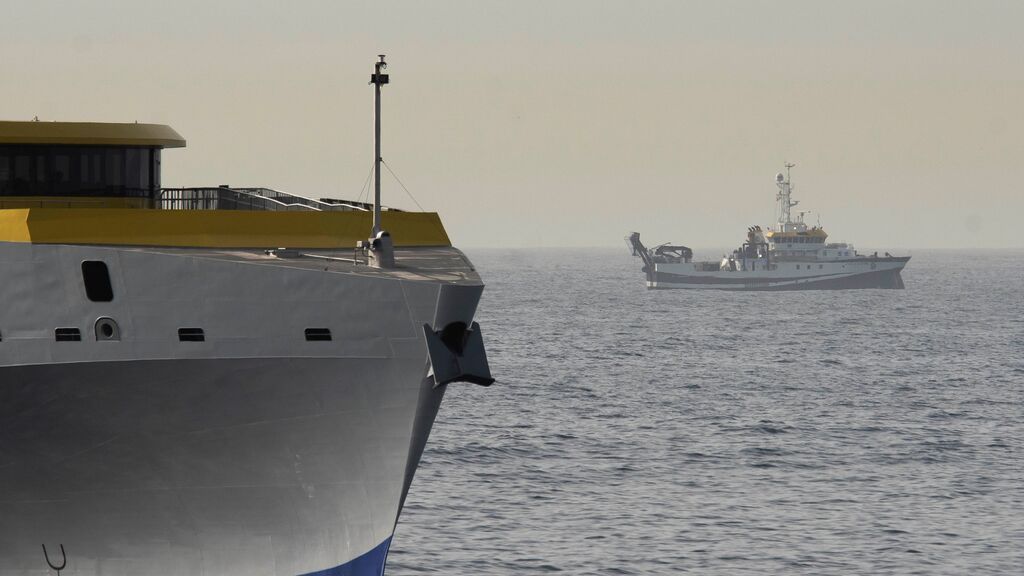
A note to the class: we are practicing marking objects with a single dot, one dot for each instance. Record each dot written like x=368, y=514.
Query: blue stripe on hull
x=369, y=564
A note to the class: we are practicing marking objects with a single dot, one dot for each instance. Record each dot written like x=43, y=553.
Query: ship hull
x=218, y=466
x=254, y=451
x=863, y=273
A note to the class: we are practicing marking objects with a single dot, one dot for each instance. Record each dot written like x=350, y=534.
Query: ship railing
x=219, y=198
x=227, y=198
x=294, y=199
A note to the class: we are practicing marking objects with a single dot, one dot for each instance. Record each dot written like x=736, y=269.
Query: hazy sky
x=567, y=123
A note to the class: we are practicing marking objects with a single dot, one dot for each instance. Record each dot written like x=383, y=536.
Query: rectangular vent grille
x=318, y=334
x=67, y=335
x=191, y=335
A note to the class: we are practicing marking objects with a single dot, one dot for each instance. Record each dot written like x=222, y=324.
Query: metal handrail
x=202, y=198
x=227, y=198
x=219, y=199
x=315, y=204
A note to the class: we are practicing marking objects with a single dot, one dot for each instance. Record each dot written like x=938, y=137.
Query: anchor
x=63, y=563
x=457, y=354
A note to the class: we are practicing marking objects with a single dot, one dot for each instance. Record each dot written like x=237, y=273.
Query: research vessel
x=792, y=255
x=211, y=381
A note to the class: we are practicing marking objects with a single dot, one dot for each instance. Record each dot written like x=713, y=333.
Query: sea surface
x=669, y=432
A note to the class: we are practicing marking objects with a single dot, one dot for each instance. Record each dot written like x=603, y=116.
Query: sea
x=635, y=431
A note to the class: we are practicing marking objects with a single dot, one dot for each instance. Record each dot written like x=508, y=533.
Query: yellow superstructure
x=213, y=228
x=89, y=134
x=813, y=235
x=817, y=232
x=99, y=183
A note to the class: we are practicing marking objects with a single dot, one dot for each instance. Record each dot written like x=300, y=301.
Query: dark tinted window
x=27, y=170
x=97, y=281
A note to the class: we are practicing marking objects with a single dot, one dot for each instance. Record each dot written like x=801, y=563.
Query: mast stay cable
x=402, y=185
x=365, y=190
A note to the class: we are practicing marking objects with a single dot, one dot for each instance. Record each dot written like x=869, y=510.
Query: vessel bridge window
x=798, y=240
x=106, y=171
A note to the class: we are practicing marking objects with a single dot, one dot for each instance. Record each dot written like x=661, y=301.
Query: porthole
x=107, y=330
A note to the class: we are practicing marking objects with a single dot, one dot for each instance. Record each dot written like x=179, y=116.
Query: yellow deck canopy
x=90, y=134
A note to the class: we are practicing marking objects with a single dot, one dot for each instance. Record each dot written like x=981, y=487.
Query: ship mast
x=381, y=246
x=378, y=80
x=784, y=199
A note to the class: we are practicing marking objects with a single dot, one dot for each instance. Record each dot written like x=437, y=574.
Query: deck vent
x=67, y=335
x=191, y=335
x=97, y=281
x=318, y=334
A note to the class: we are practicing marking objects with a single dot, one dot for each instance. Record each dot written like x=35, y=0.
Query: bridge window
x=37, y=170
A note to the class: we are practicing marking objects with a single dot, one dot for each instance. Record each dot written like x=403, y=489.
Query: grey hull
x=184, y=467
x=254, y=451
x=883, y=279
x=888, y=278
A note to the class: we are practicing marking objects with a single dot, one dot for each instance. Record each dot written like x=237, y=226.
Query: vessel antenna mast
x=378, y=79
x=783, y=196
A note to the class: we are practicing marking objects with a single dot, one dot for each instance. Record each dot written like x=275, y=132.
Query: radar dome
x=779, y=177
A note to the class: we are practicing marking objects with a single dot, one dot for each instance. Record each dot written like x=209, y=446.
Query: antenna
x=783, y=197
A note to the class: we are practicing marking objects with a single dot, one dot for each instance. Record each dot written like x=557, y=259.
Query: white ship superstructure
x=789, y=256
x=211, y=381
